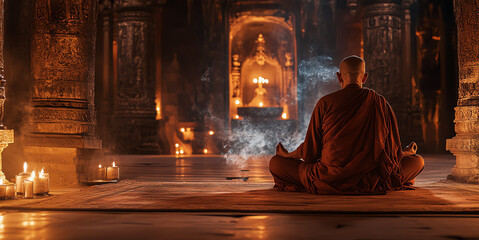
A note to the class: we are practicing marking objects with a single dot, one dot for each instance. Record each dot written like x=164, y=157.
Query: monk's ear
x=365, y=77
x=340, y=79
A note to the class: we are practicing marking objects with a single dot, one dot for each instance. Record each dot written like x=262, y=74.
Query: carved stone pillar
x=135, y=108
x=6, y=136
x=465, y=145
x=62, y=122
x=383, y=52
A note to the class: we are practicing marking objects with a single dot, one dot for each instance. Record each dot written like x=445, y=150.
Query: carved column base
x=66, y=166
x=466, y=149
x=6, y=137
x=465, y=145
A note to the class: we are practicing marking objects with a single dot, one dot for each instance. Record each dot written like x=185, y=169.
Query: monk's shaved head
x=352, y=70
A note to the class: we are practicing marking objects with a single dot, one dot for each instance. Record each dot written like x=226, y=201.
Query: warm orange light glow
x=182, y=129
x=181, y=151
x=113, y=164
x=177, y=145
x=99, y=166
x=237, y=102
x=236, y=116
x=211, y=133
x=284, y=116
x=205, y=151
x=261, y=104
x=41, y=173
x=177, y=152
x=25, y=167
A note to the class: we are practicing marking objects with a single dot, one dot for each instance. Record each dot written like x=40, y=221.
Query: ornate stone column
x=383, y=52
x=134, y=107
x=63, y=120
x=6, y=136
x=465, y=145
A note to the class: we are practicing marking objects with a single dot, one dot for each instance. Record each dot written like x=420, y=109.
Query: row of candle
x=29, y=184
x=110, y=173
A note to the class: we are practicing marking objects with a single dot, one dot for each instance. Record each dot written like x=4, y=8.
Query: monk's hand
x=281, y=151
x=410, y=150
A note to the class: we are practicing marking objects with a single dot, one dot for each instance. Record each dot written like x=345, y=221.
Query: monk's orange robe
x=352, y=145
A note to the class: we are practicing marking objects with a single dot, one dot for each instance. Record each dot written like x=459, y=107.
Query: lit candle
x=20, y=178
x=10, y=191
x=39, y=183
x=101, y=174
x=28, y=187
x=3, y=189
x=205, y=151
x=113, y=172
x=46, y=182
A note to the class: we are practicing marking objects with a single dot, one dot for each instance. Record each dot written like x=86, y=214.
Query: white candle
x=38, y=186
x=20, y=178
x=10, y=192
x=101, y=174
x=45, y=179
x=113, y=172
x=28, y=186
x=3, y=190
x=19, y=181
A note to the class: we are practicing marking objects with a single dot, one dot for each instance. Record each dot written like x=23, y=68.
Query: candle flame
x=261, y=104
x=205, y=151
x=25, y=166
x=212, y=133
x=284, y=116
x=41, y=172
x=32, y=176
x=99, y=166
x=113, y=164
x=236, y=116
x=1, y=181
x=237, y=102
x=177, y=145
x=182, y=129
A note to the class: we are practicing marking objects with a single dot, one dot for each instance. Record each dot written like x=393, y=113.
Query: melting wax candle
x=113, y=172
x=101, y=174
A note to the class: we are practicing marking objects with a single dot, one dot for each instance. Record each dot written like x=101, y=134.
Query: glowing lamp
x=177, y=152
x=205, y=151
x=177, y=145
x=284, y=116
x=181, y=151
x=182, y=130
x=211, y=133
x=261, y=104
x=236, y=116
x=237, y=102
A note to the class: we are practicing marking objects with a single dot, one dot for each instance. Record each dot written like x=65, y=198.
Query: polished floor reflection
x=115, y=225
x=142, y=206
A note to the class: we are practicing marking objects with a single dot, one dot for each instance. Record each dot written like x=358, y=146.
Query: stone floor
x=184, y=198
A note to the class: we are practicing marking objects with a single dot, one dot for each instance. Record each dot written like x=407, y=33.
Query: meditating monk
x=352, y=144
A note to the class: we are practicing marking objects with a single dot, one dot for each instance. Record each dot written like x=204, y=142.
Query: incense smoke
x=316, y=79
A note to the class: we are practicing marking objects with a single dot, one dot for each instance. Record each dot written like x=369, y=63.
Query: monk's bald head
x=352, y=70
